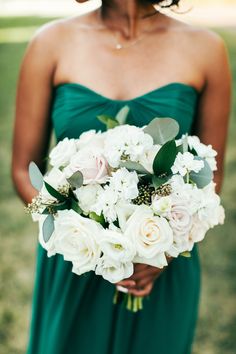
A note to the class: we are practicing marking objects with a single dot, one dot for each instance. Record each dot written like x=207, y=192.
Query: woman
x=126, y=52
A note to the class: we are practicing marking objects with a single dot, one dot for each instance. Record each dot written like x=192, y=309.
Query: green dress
x=74, y=314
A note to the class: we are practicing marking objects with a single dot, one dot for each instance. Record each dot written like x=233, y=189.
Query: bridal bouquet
x=127, y=195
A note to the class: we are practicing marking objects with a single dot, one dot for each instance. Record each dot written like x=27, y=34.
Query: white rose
x=198, y=230
x=50, y=245
x=76, y=240
x=87, y=196
x=116, y=246
x=124, y=211
x=91, y=163
x=185, y=163
x=114, y=271
x=91, y=139
x=151, y=234
x=62, y=152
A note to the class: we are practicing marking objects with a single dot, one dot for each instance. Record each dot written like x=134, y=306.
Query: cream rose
x=151, y=234
x=76, y=240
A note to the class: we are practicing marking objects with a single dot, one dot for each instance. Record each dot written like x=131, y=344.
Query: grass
x=217, y=324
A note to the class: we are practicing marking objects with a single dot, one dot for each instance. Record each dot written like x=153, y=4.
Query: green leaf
x=54, y=193
x=112, y=124
x=162, y=130
x=158, y=181
x=99, y=218
x=75, y=206
x=121, y=116
x=76, y=180
x=204, y=176
x=48, y=227
x=36, y=177
x=165, y=158
x=104, y=118
x=134, y=166
x=186, y=254
x=109, y=121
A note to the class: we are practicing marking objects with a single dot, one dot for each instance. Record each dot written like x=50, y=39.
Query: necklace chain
x=118, y=45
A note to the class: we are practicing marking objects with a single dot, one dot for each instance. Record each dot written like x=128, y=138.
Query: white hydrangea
x=124, y=183
x=204, y=151
x=126, y=140
x=185, y=163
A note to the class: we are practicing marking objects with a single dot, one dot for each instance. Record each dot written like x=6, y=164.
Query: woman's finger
x=145, y=273
x=127, y=283
x=142, y=292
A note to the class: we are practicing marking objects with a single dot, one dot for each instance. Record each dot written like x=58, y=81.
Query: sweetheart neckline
x=171, y=84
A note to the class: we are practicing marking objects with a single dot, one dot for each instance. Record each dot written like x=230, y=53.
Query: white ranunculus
x=91, y=163
x=50, y=245
x=76, y=240
x=126, y=140
x=185, y=163
x=114, y=271
x=55, y=178
x=116, y=245
x=147, y=158
x=62, y=152
x=125, y=183
x=151, y=234
x=161, y=205
x=87, y=196
x=91, y=139
x=204, y=151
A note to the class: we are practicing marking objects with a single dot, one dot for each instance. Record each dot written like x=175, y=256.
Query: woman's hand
x=141, y=282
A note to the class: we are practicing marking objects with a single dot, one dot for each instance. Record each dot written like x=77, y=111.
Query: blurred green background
x=216, y=332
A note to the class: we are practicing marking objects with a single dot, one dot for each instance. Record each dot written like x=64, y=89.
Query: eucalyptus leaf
x=162, y=130
x=204, y=176
x=165, y=158
x=76, y=180
x=36, y=177
x=134, y=166
x=48, y=227
x=54, y=193
x=121, y=116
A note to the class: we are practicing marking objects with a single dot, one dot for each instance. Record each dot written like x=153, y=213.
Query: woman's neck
x=129, y=17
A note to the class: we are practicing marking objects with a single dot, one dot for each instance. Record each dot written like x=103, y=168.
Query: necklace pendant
x=119, y=46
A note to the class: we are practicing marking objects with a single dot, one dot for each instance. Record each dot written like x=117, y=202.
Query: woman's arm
x=32, y=123
x=215, y=103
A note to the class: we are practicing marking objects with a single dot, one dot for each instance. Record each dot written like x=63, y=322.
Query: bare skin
x=170, y=51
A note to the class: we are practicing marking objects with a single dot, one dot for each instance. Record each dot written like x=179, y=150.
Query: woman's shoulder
x=200, y=38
